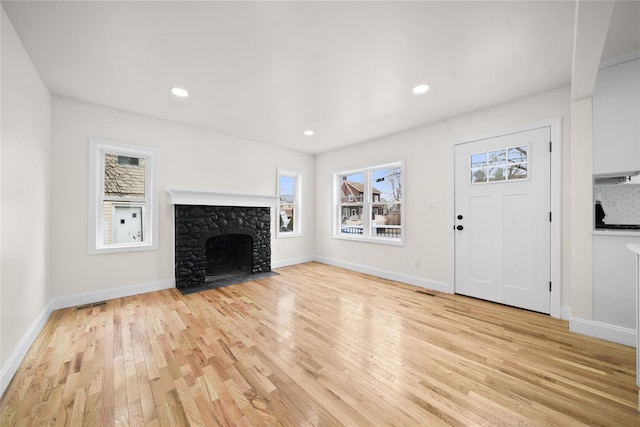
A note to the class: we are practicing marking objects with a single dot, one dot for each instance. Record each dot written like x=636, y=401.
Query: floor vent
x=420, y=291
x=95, y=304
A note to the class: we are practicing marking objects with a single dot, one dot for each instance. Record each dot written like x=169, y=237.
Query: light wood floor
x=317, y=345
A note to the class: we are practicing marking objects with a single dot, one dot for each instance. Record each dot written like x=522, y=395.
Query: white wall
x=25, y=168
x=581, y=201
x=188, y=158
x=426, y=152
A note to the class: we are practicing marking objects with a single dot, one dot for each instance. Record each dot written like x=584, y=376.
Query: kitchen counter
x=611, y=232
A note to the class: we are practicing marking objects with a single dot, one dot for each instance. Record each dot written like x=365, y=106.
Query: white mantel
x=210, y=198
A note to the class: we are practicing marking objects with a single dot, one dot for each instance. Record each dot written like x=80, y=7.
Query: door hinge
x=550, y=217
x=550, y=146
x=549, y=286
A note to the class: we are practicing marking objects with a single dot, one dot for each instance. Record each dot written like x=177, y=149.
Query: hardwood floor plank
x=317, y=345
x=77, y=414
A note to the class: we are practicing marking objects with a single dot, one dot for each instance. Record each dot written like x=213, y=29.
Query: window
x=122, y=206
x=505, y=164
x=289, y=203
x=369, y=204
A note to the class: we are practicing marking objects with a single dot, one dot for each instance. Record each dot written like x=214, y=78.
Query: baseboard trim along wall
x=16, y=357
x=113, y=293
x=390, y=275
x=603, y=331
x=291, y=261
x=565, y=313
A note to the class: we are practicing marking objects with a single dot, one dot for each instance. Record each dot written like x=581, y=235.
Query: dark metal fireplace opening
x=228, y=256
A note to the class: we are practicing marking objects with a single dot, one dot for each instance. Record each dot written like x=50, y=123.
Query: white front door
x=502, y=224
x=127, y=224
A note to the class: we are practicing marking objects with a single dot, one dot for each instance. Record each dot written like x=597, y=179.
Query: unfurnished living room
x=319, y=213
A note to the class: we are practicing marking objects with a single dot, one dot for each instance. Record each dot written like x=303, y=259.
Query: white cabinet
x=635, y=249
x=616, y=123
x=614, y=280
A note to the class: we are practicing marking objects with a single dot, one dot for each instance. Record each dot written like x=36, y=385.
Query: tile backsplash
x=621, y=202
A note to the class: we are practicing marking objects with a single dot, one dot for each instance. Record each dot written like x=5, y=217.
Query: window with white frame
x=122, y=205
x=368, y=203
x=505, y=164
x=289, y=203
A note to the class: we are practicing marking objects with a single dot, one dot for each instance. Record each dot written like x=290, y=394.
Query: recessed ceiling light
x=178, y=91
x=420, y=89
x=308, y=132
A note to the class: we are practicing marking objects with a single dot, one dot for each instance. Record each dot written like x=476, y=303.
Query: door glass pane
x=518, y=154
x=478, y=167
x=497, y=165
x=124, y=176
x=518, y=162
x=351, y=203
x=500, y=165
x=478, y=160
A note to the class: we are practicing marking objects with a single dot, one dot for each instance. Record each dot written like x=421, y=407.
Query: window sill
x=376, y=240
x=122, y=249
x=288, y=235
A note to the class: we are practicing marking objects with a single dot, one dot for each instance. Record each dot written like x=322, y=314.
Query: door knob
x=459, y=227
x=459, y=216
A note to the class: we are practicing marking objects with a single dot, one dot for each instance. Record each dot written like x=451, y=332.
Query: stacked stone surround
x=195, y=224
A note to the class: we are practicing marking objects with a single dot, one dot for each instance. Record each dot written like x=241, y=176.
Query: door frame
x=556, y=203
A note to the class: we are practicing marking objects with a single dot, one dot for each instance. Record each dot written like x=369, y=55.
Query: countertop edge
x=616, y=233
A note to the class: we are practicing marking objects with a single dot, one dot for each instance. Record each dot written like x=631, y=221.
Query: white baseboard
x=107, y=294
x=603, y=331
x=390, y=275
x=291, y=261
x=565, y=312
x=10, y=367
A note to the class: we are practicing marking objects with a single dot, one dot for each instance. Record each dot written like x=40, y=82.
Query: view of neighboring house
x=385, y=214
x=122, y=207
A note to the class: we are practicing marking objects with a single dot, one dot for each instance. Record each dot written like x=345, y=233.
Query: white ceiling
x=266, y=71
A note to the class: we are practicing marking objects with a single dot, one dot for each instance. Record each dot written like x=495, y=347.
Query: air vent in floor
x=95, y=304
x=420, y=291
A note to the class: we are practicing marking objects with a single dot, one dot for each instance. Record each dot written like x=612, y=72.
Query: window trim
x=367, y=205
x=297, y=231
x=97, y=150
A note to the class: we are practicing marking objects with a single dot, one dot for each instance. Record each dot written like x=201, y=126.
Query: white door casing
x=503, y=249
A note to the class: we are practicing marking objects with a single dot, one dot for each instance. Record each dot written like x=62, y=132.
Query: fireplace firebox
x=229, y=255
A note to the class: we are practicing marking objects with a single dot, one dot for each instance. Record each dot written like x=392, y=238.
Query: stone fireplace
x=215, y=242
